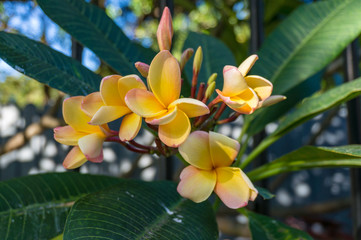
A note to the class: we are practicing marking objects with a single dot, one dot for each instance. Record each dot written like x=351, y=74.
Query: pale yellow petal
x=163, y=118
x=92, y=146
x=234, y=82
x=250, y=98
x=91, y=103
x=165, y=77
x=191, y=107
x=144, y=103
x=130, y=127
x=223, y=149
x=108, y=114
x=232, y=188
x=127, y=83
x=247, y=64
x=67, y=135
x=109, y=90
x=176, y=132
x=195, y=150
x=74, y=159
x=196, y=184
x=260, y=85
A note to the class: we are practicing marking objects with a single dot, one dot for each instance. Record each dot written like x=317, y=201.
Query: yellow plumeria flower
x=110, y=104
x=162, y=106
x=243, y=93
x=87, y=139
x=210, y=156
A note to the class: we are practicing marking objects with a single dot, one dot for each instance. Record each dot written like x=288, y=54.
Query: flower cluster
x=167, y=115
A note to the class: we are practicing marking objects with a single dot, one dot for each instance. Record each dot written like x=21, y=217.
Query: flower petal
x=164, y=77
x=92, y=147
x=109, y=90
x=250, y=98
x=163, y=118
x=234, y=82
x=223, y=149
x=247, y=64
x=67, y=135
x=127, y=83
x=74, y=159
x=196, y=184
x=109, y=113
x=233, y=187
x=176, y=132
x=260, y=85
x=144, y=103
x=91, y=103
x=191, y=107
x=195, y=150
x=130, y=127
x=75, y=117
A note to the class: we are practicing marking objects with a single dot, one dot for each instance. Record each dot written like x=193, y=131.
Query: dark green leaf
x=36, y=207
x=46, y=65
x=94, y=29
x=265, y=194
x=266, y=228
x=140, y=210
x=310, y=157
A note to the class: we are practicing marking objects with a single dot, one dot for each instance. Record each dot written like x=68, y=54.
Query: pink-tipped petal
x=92, y=147
x=176, y=132
x=164, y=77
x=195, y=150
x=108, y=114
x=234, y=82
x=144, y=103
x=91, y=103
x=223, y=149
x=232, y=188
x=163, y=118
x=74, y=159
x=67, y=135
x=260, y=85
x=165, y=30
x=229, y=102
x=191, y=107
x=109, y=90
x=127, y=83
x=247, y=64
x=196, y=184
x=130, y=127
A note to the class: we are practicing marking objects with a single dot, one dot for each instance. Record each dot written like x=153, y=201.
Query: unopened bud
x=210, y=89
x=165, y=30
x=186, y=55
x=143, y=68
x=212, y=78
x=272, y=100
x=197, y=62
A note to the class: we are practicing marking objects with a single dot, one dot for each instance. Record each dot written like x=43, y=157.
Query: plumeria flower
x=109, y=104
x=86, y=139
x=210, y=156
x=242, y=93
x=162, y=105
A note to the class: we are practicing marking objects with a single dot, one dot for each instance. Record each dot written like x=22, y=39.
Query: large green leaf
x=36, y=207
x=266, y=228
x=140, y=210
x=46, y=65
x=309, y=109
x=215, y=56
x=310, y=157
x=94, y=29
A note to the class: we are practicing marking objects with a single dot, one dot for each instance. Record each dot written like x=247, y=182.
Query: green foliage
x=310, y=157
x=265, y=194
x=46, y=65
x=140, y=210
x=36, y=207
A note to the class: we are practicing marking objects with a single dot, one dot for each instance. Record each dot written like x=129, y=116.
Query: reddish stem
x=214, y=102
x=201, y=91
x=220, y=111
x=230, y=119
x=194, y=84
x=160, y=146
x=138, y=145
x=126, y=145
x=203, y=118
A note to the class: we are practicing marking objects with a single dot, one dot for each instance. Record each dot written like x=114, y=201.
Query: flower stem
x=127, y=145
x=201, y=91
x=219, y=112
x=194, y=84
x=230, y=119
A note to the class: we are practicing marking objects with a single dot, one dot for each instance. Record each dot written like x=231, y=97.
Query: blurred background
x=317, y=200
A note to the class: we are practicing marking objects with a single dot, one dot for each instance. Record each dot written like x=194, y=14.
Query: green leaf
x=36, y=207
x=140, y=210
x=266, y=228
x=95, y=30
x=310, y=157
x=215, y=56
x=46, y=65
x=265, y=194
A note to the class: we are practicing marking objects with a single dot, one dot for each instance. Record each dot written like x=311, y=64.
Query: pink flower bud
x=143, y=68
x=165, y=30
x=186, y=55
